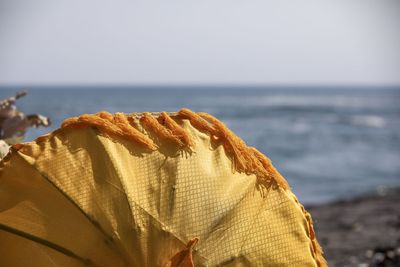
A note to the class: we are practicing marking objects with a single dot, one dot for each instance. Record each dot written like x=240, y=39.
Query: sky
x=128, y=42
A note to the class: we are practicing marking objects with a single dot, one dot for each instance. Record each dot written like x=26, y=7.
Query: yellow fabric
x=81, y=197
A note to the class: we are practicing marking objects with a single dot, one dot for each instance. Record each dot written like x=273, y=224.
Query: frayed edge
x=245, y=159
x=321, y=262
x=176, y=130
x=196, y=121
x=117, y=125
x=315, y=246
x=159, y=130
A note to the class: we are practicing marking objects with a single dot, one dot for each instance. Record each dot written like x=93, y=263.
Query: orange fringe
x=245, y=159
x=269, y=172
x=198, y=122
x=315, y=246
x=105, y=115
x=117, y=125
x=151, y=123
x=176, y=130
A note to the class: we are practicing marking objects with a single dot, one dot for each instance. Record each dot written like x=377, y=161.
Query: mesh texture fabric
x=82, y=197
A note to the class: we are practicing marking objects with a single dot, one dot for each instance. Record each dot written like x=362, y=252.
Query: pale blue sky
x=310, y=42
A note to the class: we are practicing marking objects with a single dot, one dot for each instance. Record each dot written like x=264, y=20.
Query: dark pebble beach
x=362, y=232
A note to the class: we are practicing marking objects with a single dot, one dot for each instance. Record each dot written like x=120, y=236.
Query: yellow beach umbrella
x=141, y=189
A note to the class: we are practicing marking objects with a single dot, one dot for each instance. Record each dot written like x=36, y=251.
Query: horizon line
x=191, y=85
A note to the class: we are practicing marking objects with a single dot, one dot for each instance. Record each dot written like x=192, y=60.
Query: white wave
x=305, y=101
x=369, y=121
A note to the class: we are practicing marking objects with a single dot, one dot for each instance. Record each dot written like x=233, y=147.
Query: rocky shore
x=363, y=232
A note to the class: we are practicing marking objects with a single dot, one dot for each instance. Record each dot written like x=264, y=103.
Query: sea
x=330, y=143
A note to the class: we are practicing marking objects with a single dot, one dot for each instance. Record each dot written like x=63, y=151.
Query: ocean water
x=329, y=143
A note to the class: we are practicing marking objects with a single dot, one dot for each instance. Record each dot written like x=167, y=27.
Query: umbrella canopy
x=141, y=189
